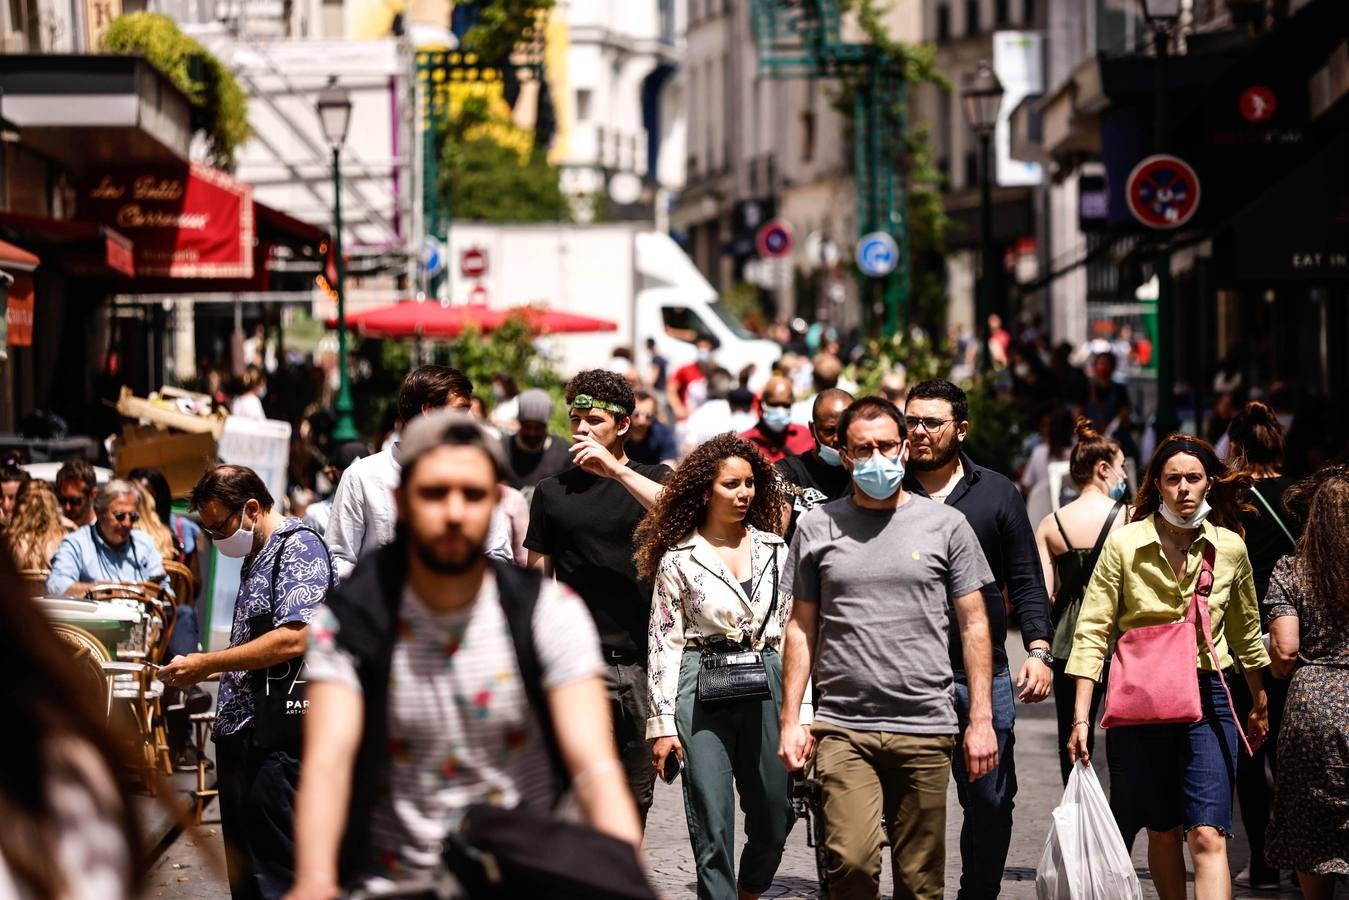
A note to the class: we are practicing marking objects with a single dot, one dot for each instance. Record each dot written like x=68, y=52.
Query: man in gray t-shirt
x=873, y=577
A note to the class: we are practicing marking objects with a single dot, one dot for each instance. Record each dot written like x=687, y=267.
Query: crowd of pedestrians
x=733, y=590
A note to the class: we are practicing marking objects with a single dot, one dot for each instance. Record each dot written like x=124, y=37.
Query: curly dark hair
x=602, y=385
x=683, y=499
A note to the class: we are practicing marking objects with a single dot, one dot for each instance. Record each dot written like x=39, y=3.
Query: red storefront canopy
x=429, y=319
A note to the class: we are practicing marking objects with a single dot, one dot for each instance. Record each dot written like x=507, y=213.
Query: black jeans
x=1065, y=697
x=626, y=680
x=257, y=815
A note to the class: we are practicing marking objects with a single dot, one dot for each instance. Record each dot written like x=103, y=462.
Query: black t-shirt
x=585, y=523
x=819, y=483
x=528, y=469
x=1265, y=541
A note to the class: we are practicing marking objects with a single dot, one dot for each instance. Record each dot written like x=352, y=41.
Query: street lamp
x=981, y=97
x=1162, y=15
x=334, y=109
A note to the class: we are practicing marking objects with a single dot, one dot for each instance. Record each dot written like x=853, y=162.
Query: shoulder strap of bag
x=281, y=548
x=1084, y=574
x=518, y=591
x=1275, y=516
x=773, y=606
x=1203, y=586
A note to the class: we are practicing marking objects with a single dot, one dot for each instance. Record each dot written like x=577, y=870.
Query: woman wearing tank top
x=1067, y=540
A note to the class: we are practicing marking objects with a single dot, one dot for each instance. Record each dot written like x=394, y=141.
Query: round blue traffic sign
x=877, y=254
x=774, y=239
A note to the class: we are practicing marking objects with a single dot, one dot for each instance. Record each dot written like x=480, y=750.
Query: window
x=943, y=22
x=971, y=18
x=1002, y=16
x=1028, y=16
x=583, y=96
x=808, y=135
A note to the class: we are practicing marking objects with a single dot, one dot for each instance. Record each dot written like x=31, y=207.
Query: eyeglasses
x=219, y=532
x=643, y=416
x=913, y=423
x=122, y=517
x=888, y=449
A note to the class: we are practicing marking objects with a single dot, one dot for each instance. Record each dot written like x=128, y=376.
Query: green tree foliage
x=509, y=350
x=208, y=84
x=503, y=25
x=485, y=179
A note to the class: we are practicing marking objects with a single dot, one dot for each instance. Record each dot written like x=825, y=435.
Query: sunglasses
x=122, y=517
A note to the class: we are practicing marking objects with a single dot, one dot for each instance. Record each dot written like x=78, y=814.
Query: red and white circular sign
x=473, y=263
x=1258, y=104
x=1162, y=192
x=477, y=296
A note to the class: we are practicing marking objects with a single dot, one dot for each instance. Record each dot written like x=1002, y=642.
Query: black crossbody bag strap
x=1084, y=575
x=773, y=606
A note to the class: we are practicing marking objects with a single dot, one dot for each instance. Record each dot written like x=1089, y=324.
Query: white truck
x=639, y=279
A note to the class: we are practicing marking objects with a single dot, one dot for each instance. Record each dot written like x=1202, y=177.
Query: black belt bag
x=738, y=673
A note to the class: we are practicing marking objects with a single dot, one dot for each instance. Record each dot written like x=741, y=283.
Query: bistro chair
x=34, y=581
x=181, y=580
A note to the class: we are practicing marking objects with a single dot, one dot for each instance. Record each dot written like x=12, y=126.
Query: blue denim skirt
x=1183, y=774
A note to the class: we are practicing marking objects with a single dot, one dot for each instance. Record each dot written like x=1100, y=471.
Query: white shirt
x=247, y=406
x=364, y=514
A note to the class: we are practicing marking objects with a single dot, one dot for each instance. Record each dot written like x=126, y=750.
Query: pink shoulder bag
x=1153, y=674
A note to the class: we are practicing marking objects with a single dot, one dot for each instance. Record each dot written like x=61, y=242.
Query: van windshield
x=729, y=319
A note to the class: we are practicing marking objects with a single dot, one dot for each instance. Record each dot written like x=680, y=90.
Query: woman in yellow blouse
x=1180, y=776
x=709, y=545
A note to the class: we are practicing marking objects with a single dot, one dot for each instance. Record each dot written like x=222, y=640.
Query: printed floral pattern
x=696, y=598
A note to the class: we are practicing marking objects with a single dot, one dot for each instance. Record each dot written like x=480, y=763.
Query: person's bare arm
x=276, y=646
x=332, y=738
x=592, y=456
x=981, y=744
x=1046, y=557
x=541, y=561
x=585, y=738
x=795, y=742
x=1285, y=639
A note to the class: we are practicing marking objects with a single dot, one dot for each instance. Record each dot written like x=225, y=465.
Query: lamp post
x=334, y=109
x=982, y=97
x=1162, y=15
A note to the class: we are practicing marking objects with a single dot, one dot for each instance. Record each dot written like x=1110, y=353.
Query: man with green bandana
x=581, y=524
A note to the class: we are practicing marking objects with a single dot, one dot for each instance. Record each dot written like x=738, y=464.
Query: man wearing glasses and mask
x=108, y=549
x=75, y=482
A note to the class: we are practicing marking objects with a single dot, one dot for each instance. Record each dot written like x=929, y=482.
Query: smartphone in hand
x=671, y=768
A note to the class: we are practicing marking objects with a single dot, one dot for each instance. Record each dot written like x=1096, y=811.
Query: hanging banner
x=19, y=315
x=189, y=222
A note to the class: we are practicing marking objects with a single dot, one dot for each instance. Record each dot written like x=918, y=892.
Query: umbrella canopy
x=431, y=320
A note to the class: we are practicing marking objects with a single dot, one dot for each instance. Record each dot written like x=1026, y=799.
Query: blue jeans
x=987, y=831
x=1183, y=774
x=185, y=632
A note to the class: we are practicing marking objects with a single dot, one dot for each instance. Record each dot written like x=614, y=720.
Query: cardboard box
x=183, y=458
x=166, y=415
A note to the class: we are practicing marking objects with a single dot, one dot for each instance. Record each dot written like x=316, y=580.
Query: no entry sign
x=1162, y=192
x=473, y=263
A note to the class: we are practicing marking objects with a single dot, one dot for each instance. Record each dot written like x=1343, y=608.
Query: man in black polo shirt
x=581, y=524
x=936, y=415
x=818, y=475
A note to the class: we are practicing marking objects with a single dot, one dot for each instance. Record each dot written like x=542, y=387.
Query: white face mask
x=1194, y=521
x=237, y=545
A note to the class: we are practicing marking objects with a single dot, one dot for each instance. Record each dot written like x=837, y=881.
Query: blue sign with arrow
x=877, y=254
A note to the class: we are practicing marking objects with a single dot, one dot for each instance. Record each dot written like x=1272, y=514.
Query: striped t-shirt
x=461, y=730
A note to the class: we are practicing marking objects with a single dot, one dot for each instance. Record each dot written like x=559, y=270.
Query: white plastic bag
x=1085, y=857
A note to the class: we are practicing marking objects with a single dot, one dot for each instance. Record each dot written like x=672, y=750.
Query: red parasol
x=431, y=320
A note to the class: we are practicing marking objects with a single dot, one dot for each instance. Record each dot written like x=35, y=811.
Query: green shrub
x=208, y=84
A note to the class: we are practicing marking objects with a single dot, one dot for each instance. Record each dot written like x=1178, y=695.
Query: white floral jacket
x=697, y=598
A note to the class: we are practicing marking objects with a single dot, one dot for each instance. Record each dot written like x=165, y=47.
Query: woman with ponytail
x=1069, y=541
x=1182, y=548
x=1271, y=533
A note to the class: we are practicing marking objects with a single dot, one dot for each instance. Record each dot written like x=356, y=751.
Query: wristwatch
x=1043, y=656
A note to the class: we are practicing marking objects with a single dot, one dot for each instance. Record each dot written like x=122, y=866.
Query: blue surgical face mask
x=879, y=476
x=828, y=455
x=1117, y=492
x=777, y=418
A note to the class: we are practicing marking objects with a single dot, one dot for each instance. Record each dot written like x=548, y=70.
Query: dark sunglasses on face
x=122, y=517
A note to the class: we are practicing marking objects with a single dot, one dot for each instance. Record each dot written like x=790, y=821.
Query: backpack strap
x=1275, y=516
x=281, y=548
x=518, y=590
x=1084, y=575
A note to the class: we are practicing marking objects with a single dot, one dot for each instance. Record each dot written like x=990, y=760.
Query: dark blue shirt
x=658, y=446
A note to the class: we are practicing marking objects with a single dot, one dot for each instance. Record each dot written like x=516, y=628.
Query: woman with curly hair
x=711, y=547
x=1183, y=547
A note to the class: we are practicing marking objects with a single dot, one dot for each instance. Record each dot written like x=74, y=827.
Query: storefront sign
x=19, y=315
x=191, y=222
x=98, y=15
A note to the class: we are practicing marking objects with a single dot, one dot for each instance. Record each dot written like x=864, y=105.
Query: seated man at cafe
x=110, y=550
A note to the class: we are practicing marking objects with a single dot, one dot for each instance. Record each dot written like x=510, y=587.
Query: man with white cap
x=532, y=453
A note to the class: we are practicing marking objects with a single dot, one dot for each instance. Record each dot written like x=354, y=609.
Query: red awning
x=428, y=318
x=81, y=246
x=17, y=259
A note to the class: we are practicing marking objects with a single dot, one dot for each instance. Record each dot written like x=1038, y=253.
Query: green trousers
x=731, y=747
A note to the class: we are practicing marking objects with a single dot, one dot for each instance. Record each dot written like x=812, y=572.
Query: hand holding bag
x=726, y=676
x=1154, y=672
x=1084, y=856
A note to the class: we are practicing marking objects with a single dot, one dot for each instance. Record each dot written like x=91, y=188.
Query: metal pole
x=345, y=429
x=990, y=259
x=1165, y=421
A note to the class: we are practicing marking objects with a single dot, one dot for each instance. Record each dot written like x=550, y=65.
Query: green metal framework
x=803, y=39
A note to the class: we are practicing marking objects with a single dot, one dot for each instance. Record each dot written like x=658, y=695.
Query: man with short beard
x=533, y=454
x=433, y=673
x=936, y=416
